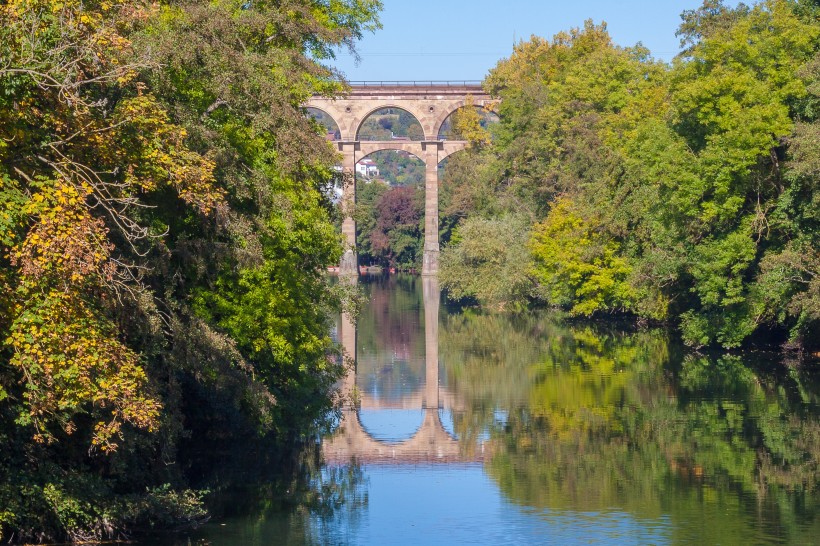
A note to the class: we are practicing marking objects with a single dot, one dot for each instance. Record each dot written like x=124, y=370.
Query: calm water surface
x=472, y=428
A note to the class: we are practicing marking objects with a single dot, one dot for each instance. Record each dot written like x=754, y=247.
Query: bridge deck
x=416, y=83
x=414, y=89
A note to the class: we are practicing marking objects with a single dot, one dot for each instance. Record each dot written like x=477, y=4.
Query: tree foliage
x=693, y=186
x=576, y=267
x=161, y=189
x=487, y=261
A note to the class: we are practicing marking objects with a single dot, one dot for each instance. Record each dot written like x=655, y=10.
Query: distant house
x=367, y=168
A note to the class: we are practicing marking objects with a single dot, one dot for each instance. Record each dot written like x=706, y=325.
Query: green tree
x=693, y=186
x=161, y=186
x=487, y=260
x=578, y=267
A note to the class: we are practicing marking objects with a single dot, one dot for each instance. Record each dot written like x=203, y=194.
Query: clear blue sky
x=463, y=39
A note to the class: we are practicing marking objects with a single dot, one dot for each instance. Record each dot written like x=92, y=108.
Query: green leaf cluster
x=165, y=222
x=685, y=192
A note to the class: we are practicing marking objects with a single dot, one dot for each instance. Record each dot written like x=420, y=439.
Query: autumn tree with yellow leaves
x=154, y=159
x=75, y=160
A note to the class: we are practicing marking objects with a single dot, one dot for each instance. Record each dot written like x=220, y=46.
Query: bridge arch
x=379, y=153
x=335, y=111
x=375, y=111
x=449, y=151
x=326, y=120
x=444, y=118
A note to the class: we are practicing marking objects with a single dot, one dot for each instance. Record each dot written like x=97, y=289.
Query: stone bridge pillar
x=350, y=264
x=431, y=246
x=432, y=297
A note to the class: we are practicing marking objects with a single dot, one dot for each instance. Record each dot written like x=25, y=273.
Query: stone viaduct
x=431, y=443
x=431, y=103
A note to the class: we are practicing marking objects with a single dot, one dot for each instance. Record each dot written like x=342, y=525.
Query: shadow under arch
x=333, y=132
x=389, y=123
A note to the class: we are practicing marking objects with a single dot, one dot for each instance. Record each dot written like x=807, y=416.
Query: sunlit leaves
x=154, y=152
x=70, y=358
x=82, y=145
x=487, y=260
x=691, y=180
x=65, y=244
x=577, y=266
x=142, y=152
x=467, y=124
x=67, y=351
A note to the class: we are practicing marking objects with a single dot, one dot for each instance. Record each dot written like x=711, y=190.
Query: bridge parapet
x=416, y=83
x=415, y=90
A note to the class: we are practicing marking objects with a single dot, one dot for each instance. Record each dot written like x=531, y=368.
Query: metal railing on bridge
x=415, y=83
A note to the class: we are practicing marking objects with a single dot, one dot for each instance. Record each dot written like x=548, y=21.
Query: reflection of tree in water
x=598, y=420
x=391, y=381
x=340, y=497
x=303, y=503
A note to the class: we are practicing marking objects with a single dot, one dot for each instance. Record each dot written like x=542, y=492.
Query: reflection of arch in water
x=391, y=425
x=431, y=442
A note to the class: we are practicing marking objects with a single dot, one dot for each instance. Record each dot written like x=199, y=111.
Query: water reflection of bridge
x=431, y=443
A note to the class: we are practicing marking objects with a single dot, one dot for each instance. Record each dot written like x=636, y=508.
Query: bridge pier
x=431, y=245
x=349, y=265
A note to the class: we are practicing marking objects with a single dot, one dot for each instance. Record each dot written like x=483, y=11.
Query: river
x=465, y=427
